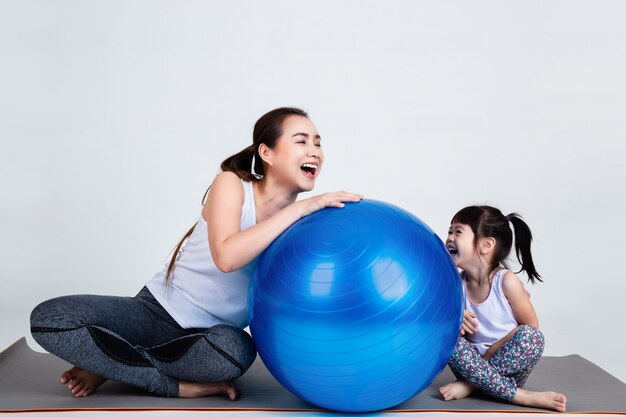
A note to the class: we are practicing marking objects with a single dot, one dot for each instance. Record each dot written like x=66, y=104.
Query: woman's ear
x=265, y=153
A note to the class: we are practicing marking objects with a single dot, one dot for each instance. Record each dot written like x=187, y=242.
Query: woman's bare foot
x=456, y=390
x=82, y=383
x=187, y=389
x=546, y=399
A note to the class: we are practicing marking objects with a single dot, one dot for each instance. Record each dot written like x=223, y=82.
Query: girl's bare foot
x=456, y=390
x=187, y=389
x=82, y=383
x=546, y=399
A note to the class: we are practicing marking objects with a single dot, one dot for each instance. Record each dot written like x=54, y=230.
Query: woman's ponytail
x=241, y=164
x=246, y=164
x=523, y=238
x=170, y=267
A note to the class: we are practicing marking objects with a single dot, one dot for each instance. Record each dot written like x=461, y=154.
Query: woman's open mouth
x=309, y=169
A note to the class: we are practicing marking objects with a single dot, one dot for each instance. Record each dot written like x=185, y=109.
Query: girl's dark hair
x=267, y=130
x=487, y=221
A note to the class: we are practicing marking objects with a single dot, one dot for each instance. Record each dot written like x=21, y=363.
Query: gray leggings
x=134, y=340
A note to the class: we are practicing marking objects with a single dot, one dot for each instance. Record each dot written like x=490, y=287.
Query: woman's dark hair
x=267, y=130
x=487, y=221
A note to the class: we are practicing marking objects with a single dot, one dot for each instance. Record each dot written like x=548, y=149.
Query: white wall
x=114, y=117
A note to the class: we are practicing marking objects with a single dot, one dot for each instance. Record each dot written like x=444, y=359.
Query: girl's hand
x=332, y=199
x=470, y=324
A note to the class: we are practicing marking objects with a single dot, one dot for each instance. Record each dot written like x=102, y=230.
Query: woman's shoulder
x=227, y=177
x=225, y=191
x=228, y=182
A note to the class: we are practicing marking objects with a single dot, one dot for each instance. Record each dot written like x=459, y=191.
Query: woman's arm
x=233, y=248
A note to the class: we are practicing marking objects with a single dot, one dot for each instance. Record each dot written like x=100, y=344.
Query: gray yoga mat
x=29, y=382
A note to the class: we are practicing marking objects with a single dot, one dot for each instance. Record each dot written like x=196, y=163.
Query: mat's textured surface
x=29, y=382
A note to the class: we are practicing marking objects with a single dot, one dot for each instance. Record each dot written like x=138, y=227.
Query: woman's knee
x=65, y=313
x=237, y=342
x=220, y=353
x=50, y=314
x=51, y=322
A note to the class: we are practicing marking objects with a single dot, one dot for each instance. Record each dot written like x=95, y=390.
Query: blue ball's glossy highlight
x=356, y=309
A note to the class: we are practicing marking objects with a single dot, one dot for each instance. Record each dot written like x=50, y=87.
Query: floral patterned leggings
x=507, y=369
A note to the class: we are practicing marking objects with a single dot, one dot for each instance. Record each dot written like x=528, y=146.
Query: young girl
x=181, y=335
x=500, y=342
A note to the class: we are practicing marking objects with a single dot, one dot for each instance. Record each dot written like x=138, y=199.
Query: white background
x=114, y=117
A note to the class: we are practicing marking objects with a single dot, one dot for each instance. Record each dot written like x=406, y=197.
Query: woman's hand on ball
x=331, y=199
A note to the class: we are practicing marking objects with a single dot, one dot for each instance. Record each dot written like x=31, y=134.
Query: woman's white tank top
x=199, y=294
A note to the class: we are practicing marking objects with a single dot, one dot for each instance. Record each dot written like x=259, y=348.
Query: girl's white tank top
x=495, y=315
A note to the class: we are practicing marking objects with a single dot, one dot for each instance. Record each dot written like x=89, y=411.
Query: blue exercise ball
x=356, y=308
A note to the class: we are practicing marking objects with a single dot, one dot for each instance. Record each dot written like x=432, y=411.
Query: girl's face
x=460, y=245
x=297, y=157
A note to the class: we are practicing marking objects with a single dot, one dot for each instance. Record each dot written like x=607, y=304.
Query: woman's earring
x=257, y=176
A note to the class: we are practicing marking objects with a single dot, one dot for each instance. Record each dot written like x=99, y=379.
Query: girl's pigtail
x=523, y=238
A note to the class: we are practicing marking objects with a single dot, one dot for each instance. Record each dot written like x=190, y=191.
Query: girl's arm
x=523, y=310
x=233, y=248
x=519, y=300
x=496, y=346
